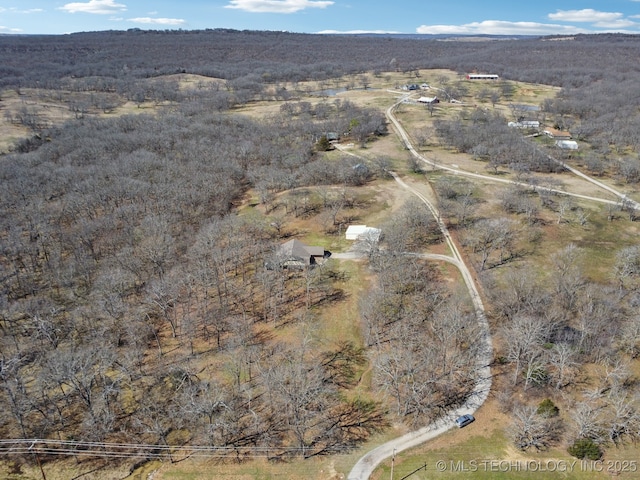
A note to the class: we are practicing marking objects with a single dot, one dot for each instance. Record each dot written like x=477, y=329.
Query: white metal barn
x=567, y=144
x=431, y=100
x=355, y=232
x=482, y=76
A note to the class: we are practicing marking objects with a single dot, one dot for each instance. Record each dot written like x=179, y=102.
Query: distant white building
x=360, y=232
x=525, y=124
x=557, y=134
x=567, y=144
x=482, y=76
x=429, y=100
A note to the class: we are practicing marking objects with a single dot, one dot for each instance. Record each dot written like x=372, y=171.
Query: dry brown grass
x=10, y=132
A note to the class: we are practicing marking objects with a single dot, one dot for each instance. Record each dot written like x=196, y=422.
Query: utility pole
x=44, y=477
x=393, y=459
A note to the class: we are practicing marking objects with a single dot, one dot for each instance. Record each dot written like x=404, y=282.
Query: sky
x=463, y=17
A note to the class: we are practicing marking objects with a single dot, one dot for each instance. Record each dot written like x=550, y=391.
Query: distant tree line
x=281, y=56
x=255, y=64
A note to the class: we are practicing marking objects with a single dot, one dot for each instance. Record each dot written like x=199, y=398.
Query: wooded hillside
x=136, y=305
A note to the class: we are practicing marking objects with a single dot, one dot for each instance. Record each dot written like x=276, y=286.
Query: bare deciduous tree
x=531, y=430
x=587, y=421
x=524, y=336
x=490, y=236
x=567, y=276
x=562, y=359
x=627, y=266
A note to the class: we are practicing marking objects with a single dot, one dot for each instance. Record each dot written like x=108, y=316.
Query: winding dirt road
x=365, y=466
x=368, y=463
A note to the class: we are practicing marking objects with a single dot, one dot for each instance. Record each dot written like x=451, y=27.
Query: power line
x=130, y=450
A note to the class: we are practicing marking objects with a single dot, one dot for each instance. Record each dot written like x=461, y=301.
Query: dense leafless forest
x=270, y=56
x=597, y=72
x=135, y=305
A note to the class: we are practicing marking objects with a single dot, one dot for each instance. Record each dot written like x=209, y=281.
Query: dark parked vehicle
x=465, y=420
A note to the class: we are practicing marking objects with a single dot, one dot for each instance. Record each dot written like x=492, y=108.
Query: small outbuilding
x=429, y=100
x=525, y=124
x=332, y=136
x=567, y=144
x=482, y=76
x=557, y=134
x=360, y=232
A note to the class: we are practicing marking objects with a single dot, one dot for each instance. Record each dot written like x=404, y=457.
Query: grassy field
x=482, y=451
x=479, y=458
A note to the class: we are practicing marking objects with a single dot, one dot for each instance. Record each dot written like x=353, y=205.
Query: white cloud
x=10, y=30
x=15, y=10
x=356, y=32
x=498, y=27
x=587, y=15
x=100, y=7
x=610, y=21
x=158, y=21
x=277, y=6
x=617, y=25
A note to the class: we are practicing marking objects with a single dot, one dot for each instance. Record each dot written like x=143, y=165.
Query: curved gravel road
x=367, y=464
